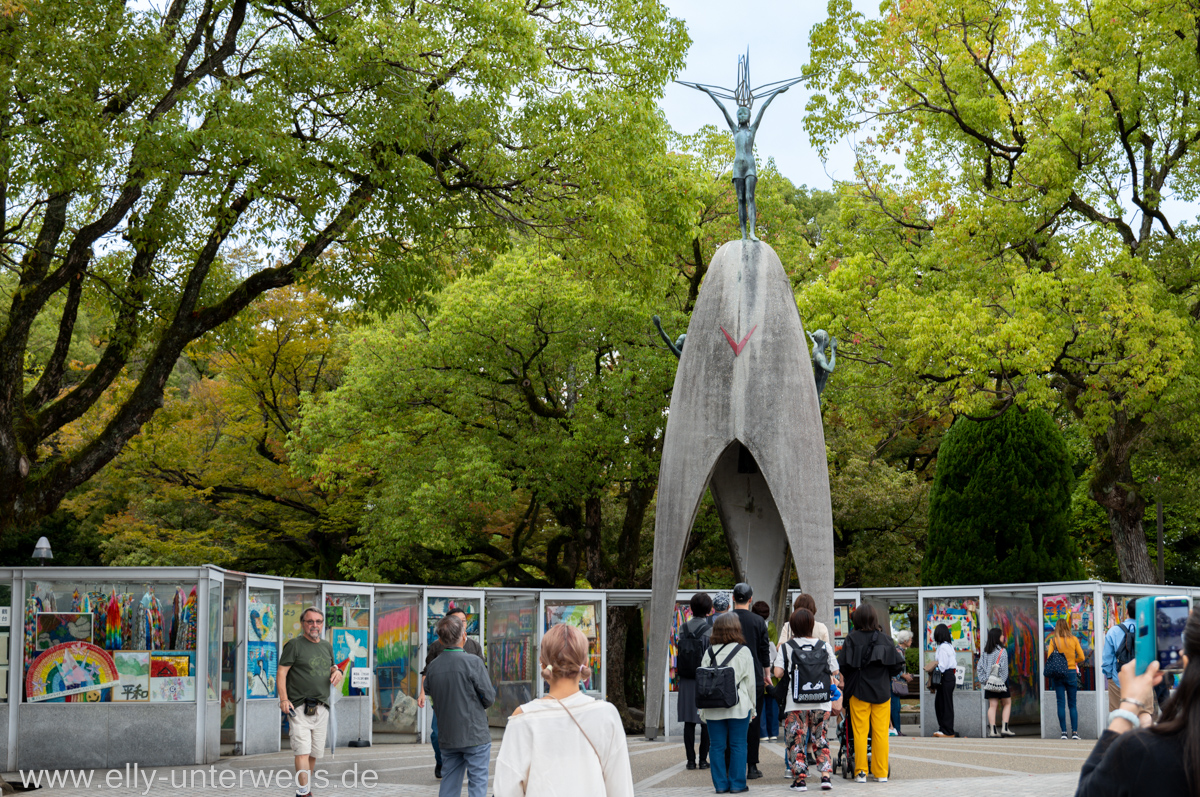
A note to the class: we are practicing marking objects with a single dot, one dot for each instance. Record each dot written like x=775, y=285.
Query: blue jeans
x=768, y=722
x=896, y=712
x=437, y=751
x=1070, y=685
x=728, y=735
x=471, y=761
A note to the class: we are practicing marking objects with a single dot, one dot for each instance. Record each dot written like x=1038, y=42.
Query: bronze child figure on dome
x=745, y=175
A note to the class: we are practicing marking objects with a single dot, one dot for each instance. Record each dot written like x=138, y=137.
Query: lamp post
x=42, y=551
x=1162, y=579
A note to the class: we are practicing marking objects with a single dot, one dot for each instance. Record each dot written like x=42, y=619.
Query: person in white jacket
x=727, y=726
x=566, y=744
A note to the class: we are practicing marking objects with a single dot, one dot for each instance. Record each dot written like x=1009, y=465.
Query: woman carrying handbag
x=567, y=742
x=942, y=673
x=994, y=662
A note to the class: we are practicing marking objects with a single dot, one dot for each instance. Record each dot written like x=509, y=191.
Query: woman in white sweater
x=727, y=727
x=566, y=743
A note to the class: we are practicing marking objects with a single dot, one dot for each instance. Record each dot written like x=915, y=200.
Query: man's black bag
x=692, y=644
x=716, y=684
x=1127, y=649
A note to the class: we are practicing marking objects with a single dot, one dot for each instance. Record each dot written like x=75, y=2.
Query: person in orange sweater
x=1064, y=642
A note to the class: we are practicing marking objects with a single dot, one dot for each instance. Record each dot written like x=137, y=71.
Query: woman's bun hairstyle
x=564, y=654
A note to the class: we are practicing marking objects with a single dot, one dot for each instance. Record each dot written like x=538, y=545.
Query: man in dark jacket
x=461, y=691
x=754, y=630
x=437, y=647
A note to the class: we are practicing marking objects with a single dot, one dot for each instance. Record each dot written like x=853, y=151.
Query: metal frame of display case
x=362, y=703
x=513, y=594
x=208, y=729
x=680, y=597
x=199, y=751
x=976, y=696
x=259, y=738
x=425, y=715
x=579, y=596
x=213, y=581
x=383, y=592
x=841, y=598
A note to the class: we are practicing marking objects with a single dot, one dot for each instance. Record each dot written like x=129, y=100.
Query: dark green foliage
x=1000, y=506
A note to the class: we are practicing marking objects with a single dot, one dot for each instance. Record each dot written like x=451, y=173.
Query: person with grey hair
x=306, y=673
x=900, y=682
x=461, y=691
x=434, y=649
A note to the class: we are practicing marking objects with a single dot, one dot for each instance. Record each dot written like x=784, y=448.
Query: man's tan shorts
x=307, y=735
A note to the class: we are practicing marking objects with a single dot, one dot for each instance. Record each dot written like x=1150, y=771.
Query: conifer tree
x=1000, y=505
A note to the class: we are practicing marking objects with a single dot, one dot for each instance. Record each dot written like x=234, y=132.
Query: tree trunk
x=1129, y=538
x=1113, y=487
x=614, y=660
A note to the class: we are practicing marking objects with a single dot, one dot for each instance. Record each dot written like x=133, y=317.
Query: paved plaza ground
x=920, y=766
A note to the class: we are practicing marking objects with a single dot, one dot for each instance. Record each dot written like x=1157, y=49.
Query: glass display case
x=110, y=641
x=1016, y=615
x=961, y=615
x=397, y=663
x=296, y=598
x=1078, y=609
x=348, y=629
x=262, y=643
x=840, y=628
x=585, y=610
x=436, y=603
x=511, y=652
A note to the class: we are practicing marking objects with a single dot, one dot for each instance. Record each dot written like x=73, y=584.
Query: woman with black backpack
x=802, y=661
x=693, y=641
x=725, y=693
x=869, y=660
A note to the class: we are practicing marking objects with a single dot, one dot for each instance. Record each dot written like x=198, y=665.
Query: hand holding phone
x=1160, y=623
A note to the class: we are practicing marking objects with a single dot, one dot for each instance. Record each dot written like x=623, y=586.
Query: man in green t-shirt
x=306, y=673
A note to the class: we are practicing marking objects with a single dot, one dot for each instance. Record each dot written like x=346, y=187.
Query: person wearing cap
x=754, y=630
x=720, y=603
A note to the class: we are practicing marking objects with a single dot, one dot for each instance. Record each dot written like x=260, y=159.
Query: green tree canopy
x=1027, y=252
x=141, y=145
x=1000, y=506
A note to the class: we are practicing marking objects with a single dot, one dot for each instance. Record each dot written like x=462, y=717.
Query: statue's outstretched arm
x=666, y=339
x=721, y=105
x=763, y=109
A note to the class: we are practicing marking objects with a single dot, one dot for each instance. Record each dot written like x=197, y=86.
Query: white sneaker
x=940, y=735
x=881, y=780
x=861, y=777
x=1064, y=736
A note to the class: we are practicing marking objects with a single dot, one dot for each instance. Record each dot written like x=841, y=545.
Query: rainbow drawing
x=69, y=669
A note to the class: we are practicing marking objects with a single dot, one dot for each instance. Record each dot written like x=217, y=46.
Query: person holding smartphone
x=1133, y=756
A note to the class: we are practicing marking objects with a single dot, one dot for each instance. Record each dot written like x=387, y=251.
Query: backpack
x=716, y=684
x=691, y=649
x=1056, y=664
x=1127, y=649
x=808, y=672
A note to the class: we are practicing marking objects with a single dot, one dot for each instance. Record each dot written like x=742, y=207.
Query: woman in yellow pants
x=869, y=660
